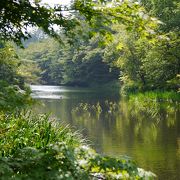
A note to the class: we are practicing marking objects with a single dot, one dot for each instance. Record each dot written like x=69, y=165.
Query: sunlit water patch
x=54, y=92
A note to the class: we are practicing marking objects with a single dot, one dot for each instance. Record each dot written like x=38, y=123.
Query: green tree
x=18, y=16
x=44, y=55
x=162, y=65
x=13, y=92
x=145, y=64
x=9, y=64
x=69, y=65
x=86, y=67
x=168, y=11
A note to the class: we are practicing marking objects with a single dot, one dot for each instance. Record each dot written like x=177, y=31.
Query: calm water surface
x=147, y=131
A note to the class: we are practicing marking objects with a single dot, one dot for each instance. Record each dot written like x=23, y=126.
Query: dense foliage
x=149, y=63
x=69, y=65
x=9, y=64
x=13, y=91
x=17, y=16
x=144, y=53
x=145, y=64
x=167, y=11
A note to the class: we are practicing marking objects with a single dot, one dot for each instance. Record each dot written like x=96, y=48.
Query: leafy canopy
x=18, y=15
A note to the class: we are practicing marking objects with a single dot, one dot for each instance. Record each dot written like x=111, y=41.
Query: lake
x=147, y=131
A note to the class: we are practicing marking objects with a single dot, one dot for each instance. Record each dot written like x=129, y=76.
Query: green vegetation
x=17, y=16
x=68, y=65
x=144, y=55
x=54, y=152
x=100, y=42
x=156, y=96
x=28, y=130
x=13, y=91
x=12, y=98
x=9, y=64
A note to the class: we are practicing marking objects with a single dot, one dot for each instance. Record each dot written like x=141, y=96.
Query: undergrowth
x=170, y=96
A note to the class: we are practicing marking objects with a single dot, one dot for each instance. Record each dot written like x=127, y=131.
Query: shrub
x=13, y=98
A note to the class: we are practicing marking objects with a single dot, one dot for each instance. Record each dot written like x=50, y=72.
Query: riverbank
x=167, y=96
x=55, y=152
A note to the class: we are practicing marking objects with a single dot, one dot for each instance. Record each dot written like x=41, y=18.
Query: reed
x=169, y=96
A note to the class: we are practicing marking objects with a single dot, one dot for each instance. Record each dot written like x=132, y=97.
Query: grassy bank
x=35, y=147
x=170, y=96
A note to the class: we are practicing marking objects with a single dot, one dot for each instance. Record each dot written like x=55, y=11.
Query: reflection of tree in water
x=146, y=130
x=141, y=119
x=152, y=117
x=178, y=149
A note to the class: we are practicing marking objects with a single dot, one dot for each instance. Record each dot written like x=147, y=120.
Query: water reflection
x=148, y=131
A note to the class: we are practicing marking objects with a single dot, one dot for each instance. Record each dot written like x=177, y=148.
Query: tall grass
x=169, y=96
x=30, y=130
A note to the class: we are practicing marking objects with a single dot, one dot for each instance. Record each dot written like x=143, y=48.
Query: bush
x=13, y=98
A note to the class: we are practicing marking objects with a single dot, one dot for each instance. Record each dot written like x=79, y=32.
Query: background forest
x=139, y=62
